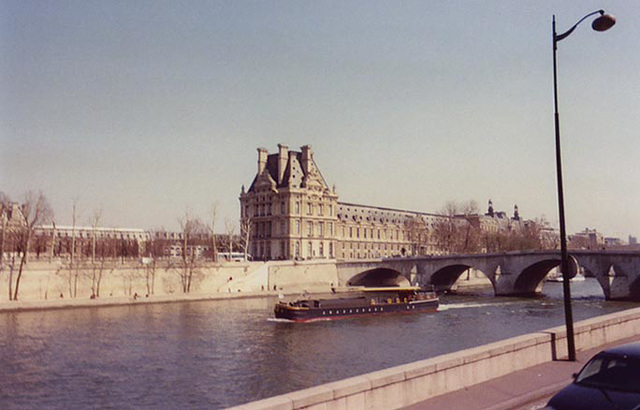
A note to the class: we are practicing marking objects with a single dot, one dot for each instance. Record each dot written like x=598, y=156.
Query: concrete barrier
x=408, y=384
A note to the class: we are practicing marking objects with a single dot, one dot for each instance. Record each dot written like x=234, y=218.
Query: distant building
x=610, y=241
x=633, y=240
x=57, y=241
x=587, y=239
x=289, y=212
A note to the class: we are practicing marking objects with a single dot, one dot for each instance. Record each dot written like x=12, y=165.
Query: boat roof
x=390, y=289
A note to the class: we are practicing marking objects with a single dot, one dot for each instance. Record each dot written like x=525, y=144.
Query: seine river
x=217, y=354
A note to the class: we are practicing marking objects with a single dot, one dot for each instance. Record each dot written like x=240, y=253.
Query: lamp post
x=602, y=23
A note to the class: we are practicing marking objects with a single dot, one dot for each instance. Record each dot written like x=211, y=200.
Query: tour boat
x=361, y=301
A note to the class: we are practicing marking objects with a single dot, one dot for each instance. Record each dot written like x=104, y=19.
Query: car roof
x=630, y=349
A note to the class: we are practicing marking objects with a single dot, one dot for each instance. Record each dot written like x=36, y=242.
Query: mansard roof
x=376, y=214
x=294, y=176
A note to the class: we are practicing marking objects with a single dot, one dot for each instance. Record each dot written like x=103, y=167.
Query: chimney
x=283, y=158
x=262, y=159
x=307, y=155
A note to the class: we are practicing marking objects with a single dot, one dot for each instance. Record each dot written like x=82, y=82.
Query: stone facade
x=289, y=212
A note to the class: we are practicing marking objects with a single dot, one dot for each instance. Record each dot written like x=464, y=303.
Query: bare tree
x=35, y=210
x=212, y=232
x=418, y=233
x=53, y=241
x=5, y=201
x=73, y=232
x=154, y=251
x=230, y=228
x=93, y=272
x=468, y=208
x=245, y=234
x=444, y=229
x=95, y=221
x=188, y=267
x=454, y=232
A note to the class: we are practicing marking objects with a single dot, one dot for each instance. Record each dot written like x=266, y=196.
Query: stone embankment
x=55, y=285
x=406, y=385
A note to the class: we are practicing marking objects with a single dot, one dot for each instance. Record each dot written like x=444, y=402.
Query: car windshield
x=611, y=372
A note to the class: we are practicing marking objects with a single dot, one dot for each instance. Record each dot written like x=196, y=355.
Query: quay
x=508, y=374
x=528, y=389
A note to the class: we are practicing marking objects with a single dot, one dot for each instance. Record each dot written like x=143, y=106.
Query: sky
x=150, y=109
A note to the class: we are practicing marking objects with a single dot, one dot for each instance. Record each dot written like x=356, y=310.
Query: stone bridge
x=512, y=273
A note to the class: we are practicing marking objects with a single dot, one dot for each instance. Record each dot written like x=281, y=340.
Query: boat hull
x=301, y=314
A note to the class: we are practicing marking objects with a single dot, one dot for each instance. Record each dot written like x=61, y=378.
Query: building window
x=331, y=249
x=331, y=229
x=330, y=210
x=282, y=207
x=309, y=229
x=351, y=232
x=282, y=228
x=298, y=227
x=310, y=249
x=297, y=207
x=309, y=208
x=320, y=210
x=321, y=229
x=321, y=249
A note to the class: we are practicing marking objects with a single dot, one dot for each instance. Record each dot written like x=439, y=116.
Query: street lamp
x=602, y=23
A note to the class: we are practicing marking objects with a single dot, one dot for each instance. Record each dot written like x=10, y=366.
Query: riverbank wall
x=404, y=385
x=119, y=282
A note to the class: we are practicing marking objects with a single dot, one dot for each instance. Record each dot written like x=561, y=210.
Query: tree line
x=88, y=255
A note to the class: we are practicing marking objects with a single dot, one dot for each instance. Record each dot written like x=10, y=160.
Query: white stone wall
x=44, y=281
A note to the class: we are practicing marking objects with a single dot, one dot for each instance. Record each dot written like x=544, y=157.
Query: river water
x=217, y=354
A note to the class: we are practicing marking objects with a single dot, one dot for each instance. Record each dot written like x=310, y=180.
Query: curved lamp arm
x=564, y=35
x=602, y=23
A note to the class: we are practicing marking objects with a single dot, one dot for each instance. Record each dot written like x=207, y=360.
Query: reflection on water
x=217, y=354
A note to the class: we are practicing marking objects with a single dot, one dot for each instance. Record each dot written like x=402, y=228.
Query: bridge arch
x=444, y=278
x=379, y=277
x=529, y=281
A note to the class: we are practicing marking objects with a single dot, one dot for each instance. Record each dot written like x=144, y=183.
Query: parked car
x=610, y=380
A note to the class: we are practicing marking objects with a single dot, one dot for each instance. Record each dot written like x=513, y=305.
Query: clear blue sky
x=147, y=109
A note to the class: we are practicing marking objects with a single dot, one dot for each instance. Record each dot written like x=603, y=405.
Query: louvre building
x=289, y=212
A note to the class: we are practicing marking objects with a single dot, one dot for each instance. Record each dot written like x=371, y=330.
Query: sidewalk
x=525, y=389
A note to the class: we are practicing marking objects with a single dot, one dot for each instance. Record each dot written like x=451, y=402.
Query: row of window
x=263, y=249
x=267, y=209
x=89, y=235
x=373, y=246
x=314, y=229
x=373, y=233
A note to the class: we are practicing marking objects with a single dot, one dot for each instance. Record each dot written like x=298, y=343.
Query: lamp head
x=603, y=23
